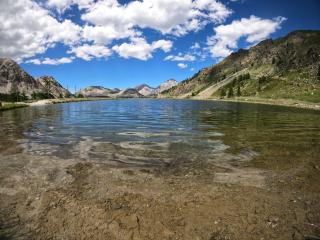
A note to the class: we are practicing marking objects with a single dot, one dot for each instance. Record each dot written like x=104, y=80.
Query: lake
x=157, y=132
x=195, y=166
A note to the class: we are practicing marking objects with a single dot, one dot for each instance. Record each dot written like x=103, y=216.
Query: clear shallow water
x=157, y=132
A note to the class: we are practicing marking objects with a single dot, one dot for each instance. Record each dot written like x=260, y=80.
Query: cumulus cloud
x=195, y=52
x=51, y=61
x=106, y=34
x=253, y=29
x=180, y=57
x=27, y=29
x=87, y=52
x=62, y=5
x=139, y=48
x=182, y=65
x=176, y=17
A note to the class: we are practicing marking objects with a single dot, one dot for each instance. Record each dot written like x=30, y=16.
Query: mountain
x=129, y=93
x=166, y=85
x=54, y=87
x=14, y=78
x=98, y=91
x=148, y=91
x=141, y=86
x=288, y=67
x=145, y=90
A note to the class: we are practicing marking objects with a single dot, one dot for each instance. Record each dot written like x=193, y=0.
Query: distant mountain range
x=288, y=67
x=16, y=84
x=139, y=91
x=146, y=90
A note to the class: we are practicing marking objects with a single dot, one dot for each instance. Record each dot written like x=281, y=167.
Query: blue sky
x=124, y=43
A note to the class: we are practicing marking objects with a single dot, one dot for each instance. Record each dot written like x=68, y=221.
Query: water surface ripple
x=157, y=132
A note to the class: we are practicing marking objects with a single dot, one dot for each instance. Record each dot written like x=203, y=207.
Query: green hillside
x=286, y=68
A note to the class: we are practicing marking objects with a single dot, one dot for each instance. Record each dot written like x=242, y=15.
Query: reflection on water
x=156, y=132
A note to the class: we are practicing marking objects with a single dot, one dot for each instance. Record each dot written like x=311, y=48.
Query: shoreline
x=274, y=102
x=13, y=105
x=252, y=100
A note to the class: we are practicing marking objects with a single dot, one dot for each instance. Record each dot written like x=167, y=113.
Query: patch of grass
x=8, y=106
x=295, y=85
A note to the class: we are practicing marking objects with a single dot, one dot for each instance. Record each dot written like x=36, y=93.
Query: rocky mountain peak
x=12, y=76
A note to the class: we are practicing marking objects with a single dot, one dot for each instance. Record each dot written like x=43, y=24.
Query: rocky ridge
x=15, y=80
x=288, y=67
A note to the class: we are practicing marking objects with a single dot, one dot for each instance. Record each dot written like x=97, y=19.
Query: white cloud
x=181, y=58
x=140, y=49
x=165, y=45
x=194, y=53
x=182, y=65
x=27, y=29
x=34, y=61
x=62, y=5
x=176, y=17
x=51, y=61
x=253, y=29
x=87, y=52
x=106, y=34
x=195, y=46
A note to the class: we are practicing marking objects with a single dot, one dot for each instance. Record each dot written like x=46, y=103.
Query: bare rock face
x=166, y=85
x=145, y=90
x=98, y=91
x=129, y=93
x=55, y=89
x=102, y=92
x=148, y=91
x=12, y=75
x=15, y=78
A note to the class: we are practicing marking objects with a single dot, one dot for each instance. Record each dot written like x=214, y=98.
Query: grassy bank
x=7, y=106
x=270, y=101
x=255, y=100
x=67, y=100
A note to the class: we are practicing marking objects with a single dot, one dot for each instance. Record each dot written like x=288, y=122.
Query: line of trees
x=16, y=96
x=228, y=90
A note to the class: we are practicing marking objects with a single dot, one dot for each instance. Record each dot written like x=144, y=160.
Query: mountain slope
x=288, y=67
x=14, y=78
x=148, y=91
x=166, y=85
x=97, y=91
x=145, y=90
x=129, y=93
x=52, y=86
x=15, y=81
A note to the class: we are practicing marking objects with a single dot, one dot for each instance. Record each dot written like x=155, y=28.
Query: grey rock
x=11, y=73
x=55, y=88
